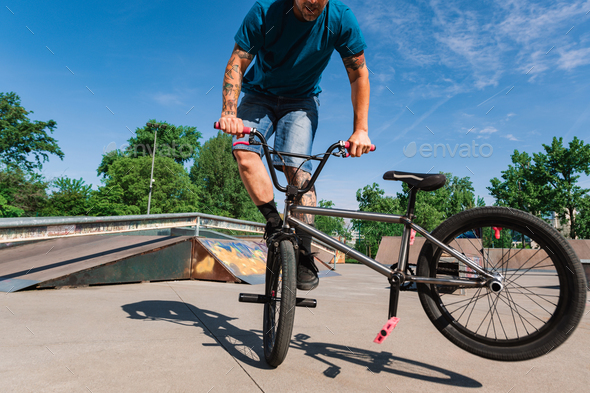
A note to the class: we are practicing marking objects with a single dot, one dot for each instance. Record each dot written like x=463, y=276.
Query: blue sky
x=507, y=74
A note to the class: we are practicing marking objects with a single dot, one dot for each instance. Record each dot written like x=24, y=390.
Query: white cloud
x=511, y=137
x=569, y=60
x=488, y=130
x=167, y=99
x=471, y=44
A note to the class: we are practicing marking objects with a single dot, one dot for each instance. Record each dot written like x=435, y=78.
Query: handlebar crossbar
x=253, y=134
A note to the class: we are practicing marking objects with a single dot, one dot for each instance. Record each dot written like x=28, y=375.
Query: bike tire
x=279, y=311
x=560, y=285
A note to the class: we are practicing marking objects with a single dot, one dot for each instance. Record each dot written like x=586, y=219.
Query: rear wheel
x=544, y=288
x=279, y=311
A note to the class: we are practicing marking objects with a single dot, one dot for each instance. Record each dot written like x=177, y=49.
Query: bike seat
x=419, y=181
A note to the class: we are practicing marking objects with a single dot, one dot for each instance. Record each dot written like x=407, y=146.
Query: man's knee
x=246, y=158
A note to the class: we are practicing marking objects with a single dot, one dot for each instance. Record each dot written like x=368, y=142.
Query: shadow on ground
x=246, y=345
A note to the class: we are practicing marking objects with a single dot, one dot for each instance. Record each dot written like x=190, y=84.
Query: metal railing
x=26, y=229
x=38, y=228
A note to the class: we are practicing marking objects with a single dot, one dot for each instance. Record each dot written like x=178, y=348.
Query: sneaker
x=307, y=273
x=272, y=227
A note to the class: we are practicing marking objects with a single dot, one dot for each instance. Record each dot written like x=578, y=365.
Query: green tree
x=521, y=188
x=331, y=225
x=215, y=173
x=21, y=139
x=583, y=219
x=23, y=190
x=9, y=211
x=70, y=197
x=560, y=168
x=109, y=201
x=127, y=185
x=181, y=143
x=433, y=207
x=371, y=198
x=547, y=182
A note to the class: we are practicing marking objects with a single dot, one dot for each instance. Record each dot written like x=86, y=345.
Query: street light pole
x=155, y=126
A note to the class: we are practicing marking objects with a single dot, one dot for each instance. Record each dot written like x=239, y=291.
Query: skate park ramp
x=244, y=260
x=117, y=259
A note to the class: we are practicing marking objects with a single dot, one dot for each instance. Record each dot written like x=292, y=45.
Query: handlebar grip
x=246, y=130
x=347, y=146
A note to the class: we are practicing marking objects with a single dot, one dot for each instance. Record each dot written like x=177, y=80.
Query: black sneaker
x=272, y=227
x=307, y=273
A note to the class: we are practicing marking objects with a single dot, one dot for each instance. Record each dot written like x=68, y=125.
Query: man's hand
x=359, y=143
x=232, y=125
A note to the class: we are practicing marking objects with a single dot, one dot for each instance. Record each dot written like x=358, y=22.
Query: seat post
x=405, y=242
x=411, y=203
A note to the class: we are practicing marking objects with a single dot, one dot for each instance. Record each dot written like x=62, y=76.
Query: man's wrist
x=228, y=114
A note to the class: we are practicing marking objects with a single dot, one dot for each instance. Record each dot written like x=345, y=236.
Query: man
x=292, y=41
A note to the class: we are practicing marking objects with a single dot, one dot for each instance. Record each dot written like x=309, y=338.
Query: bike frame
x=395, y=276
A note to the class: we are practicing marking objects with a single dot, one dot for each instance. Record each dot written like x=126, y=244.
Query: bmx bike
x=498, y=282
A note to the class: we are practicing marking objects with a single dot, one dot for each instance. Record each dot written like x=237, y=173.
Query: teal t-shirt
x=291, y=55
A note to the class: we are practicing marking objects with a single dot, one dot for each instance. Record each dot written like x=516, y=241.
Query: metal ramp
x=94, y=260
x=80, y=251
x=99, y=260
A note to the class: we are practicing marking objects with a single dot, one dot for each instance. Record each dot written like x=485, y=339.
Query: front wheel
x=279, y=311
x=544, y=287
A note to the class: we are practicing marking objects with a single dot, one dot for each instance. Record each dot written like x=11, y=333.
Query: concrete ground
x=194, y=336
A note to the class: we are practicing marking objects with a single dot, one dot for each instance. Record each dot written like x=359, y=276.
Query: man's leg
x=307, y=273
x=254, y=176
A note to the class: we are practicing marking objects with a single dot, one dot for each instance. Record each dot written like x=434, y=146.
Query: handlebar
x=253, y=133
x=246, y=130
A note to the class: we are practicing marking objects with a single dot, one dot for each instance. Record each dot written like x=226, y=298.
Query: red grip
x=246, y=130
x=347, y=145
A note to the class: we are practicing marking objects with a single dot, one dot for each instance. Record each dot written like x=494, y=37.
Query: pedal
x=256, y=298
x=387, y=328
x=252, y=298
x=302, y=302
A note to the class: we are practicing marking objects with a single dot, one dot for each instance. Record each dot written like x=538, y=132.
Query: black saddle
x=419, y=181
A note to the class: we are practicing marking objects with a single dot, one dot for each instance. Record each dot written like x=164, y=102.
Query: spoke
x=492, y=318
x=522, y=317
x=484, y=318
x=522, y=293
x=536, y=294
x=463, y=300
x=520, y=267
x=515, y=254
x=518, y=305
x=478, y=291
x=513, y=318
x=499, y=317
x=473, y=308
x=509, y=298
x=465, y=305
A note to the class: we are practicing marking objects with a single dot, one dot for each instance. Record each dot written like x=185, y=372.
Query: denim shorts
x=293, y=121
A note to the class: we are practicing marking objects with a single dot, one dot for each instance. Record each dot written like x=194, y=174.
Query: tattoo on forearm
x=355, y=62
x=242, y=54
x=229, y=105
x=231, y=69
x=233, y=73
x=227, y=88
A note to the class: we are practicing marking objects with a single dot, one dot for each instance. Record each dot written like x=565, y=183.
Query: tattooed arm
x=232, y=85
x=358, y=75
